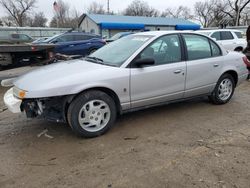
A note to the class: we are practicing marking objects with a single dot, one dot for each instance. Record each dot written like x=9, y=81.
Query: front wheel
x=224, y=90
x=92, y=114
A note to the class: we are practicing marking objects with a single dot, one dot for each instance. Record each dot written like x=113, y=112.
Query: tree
x=234, y=9
x=39, y=20
x=179, y=12
x=208, y=12
x=9, y=21
x=96, y=8
x=140, y=8
x=61, y=15
x=63, y=18
x=18, y=9
x=246, y=16
x=1, y=22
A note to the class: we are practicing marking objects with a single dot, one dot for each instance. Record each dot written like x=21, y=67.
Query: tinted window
x=15, y=36
x=215, y=49
x=65, y=38
x=164, y=50
x=83, y=37
x=239, y=35
x=216, y=35
x=198, y=47
x=24, y=37
x=226, y=35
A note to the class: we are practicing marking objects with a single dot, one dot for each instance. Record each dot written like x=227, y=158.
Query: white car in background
x=230, y=39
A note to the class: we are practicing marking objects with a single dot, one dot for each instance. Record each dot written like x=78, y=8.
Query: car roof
x=81, y=33
x=160, y=33
x=213, y=30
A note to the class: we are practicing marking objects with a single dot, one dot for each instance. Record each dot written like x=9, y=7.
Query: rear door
x=163, y=81
x=227, y=40
x=204, y=64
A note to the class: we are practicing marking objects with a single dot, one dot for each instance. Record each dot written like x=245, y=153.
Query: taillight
x=33, y=48
x=246, y=61
x=51, y=55
x=104, y=42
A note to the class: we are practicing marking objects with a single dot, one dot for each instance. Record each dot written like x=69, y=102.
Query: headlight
x=19, y=93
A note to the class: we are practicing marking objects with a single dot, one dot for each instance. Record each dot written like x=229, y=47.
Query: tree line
x=208, y=13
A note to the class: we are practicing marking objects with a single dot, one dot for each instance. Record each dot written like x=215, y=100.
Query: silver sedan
x=132, y=73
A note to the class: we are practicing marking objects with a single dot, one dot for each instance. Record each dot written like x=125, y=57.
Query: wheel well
x=239, y=48
x=108, y=91
x=112, y=94
x=234, y=75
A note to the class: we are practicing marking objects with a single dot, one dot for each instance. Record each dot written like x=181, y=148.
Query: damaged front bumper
x=13, y=104
x=52, y=108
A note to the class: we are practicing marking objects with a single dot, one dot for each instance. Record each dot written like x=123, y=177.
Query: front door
x=163, y=81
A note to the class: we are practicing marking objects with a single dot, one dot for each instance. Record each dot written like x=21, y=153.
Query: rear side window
x=83, y=37
x=226, y=35
x=198, y=47
x=216, y=51
x=238, y=34
x=216, y=35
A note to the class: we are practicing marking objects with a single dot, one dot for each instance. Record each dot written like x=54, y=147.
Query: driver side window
x=166, y=49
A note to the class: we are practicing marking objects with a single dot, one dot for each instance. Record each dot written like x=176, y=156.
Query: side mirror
x=145, y=61
x=214, y=39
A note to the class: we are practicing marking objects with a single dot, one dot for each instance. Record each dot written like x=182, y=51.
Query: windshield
x=117, y=52
x=51, y=38
x=116, y=36
x=205, y=33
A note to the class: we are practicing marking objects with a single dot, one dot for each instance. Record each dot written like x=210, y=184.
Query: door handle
x=71, y=45
x=216, y=65
x=177, y=71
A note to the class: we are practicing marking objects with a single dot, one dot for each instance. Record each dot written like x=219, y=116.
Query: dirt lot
x=190, y=144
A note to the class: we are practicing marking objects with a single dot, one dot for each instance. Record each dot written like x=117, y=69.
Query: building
x=34, y=32
x=108, y=25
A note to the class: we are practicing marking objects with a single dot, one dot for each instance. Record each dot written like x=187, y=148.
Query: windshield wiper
x=96, y=59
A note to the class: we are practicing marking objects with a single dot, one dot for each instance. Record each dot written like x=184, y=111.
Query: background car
x=75, y=43
x=15, y=39
x=39, y=40
x=118, y=36
x=230, y=39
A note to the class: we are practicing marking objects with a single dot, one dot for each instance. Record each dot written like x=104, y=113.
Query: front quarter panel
x=113, y=78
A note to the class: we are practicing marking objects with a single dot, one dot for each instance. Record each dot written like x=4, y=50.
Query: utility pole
x=108, y=6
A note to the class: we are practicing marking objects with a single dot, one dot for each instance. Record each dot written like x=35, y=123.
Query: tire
x=238, y=49
x=92, y=114
x=225, y=84
x=92, y=51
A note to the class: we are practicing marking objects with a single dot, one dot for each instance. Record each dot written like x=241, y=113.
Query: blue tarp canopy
x=187, y=27
x=121, y=26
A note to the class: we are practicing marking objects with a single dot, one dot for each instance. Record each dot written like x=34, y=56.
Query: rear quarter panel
x=233, y=62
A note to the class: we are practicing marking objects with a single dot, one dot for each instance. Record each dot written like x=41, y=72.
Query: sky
x=46, y=6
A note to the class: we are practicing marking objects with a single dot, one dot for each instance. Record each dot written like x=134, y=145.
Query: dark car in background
x=76, y=43
x=15, y=39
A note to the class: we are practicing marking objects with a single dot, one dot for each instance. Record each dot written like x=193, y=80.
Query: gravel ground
x=188, y=144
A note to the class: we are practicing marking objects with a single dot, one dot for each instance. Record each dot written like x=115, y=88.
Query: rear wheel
x=92, y=114
x=224, y=90
x=238, y=49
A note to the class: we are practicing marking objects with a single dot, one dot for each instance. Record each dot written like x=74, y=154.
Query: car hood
x=58, y=79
